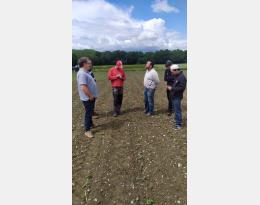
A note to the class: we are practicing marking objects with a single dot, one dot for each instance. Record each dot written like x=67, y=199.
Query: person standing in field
x=117, y=77
x=151, y=81
x=168, y=78
x=88, y=92
x=177, y=87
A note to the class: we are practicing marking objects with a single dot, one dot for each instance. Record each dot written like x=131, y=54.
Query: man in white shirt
x=151, y=81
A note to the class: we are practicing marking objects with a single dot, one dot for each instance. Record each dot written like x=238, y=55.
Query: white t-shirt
x=151, y=79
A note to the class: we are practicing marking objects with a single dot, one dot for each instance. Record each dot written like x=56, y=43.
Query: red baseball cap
x=119, y=64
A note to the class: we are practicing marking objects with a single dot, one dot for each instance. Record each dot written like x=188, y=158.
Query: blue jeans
x=176, y=102
x=149, y=100
x=89, y=109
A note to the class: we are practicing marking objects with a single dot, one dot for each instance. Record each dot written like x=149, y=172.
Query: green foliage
x=88, y=180
x=149, y=201
x=131, y=57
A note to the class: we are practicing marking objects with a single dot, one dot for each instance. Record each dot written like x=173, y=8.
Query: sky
x=130, y=25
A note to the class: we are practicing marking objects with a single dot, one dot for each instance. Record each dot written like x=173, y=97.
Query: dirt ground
x=133, y=159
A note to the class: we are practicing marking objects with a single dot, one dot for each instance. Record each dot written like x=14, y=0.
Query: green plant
x=149, y=201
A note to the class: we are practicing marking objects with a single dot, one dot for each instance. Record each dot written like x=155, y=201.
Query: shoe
x=149, y=114
x=177, y=127
x=88, y=134
x=115, y=114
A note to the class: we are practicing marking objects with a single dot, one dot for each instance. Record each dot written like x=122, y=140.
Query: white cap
x=174, y=67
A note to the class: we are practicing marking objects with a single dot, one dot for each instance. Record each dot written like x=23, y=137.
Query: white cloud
x=99, y=25
x=163, y=6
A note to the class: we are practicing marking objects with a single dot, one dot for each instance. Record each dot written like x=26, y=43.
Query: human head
x=149, y=64
x=119, y=64
x=168, y=63
x=85, y=62
x=175, y=69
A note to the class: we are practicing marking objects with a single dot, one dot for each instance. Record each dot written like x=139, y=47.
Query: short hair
x=151, y=63
x=168, y=63
x=83, y=60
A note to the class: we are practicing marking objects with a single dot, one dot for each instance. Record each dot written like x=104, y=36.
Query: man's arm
x=87, y=91
x=110, y=76
x=165, y=75
x=156, y=78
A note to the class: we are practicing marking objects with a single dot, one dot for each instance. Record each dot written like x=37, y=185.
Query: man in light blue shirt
x=88, y=92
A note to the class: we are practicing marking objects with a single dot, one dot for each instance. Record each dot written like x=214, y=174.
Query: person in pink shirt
x=117, y=77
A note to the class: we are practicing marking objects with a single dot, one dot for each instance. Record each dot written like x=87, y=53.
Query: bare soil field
x=133, y=159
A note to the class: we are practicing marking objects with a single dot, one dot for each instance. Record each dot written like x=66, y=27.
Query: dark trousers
x=89, y=108
x=170, y=106
x=176, y=102
x=118, y=98
x=149, y=100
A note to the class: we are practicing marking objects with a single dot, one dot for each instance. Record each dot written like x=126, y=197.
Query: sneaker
x=149, y=114
x=89, y=134
x=177, y=127
x=115, y=114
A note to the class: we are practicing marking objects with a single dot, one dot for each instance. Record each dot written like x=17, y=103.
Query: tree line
x=130, y=57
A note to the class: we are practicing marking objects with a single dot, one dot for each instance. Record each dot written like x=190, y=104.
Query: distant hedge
x=130, y=57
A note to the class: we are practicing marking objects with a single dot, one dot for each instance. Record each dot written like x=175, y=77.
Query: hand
x=119, y=76
x=91, y=98
x=169, y=87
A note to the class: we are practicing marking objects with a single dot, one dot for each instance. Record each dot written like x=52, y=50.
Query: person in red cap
x=117, y=77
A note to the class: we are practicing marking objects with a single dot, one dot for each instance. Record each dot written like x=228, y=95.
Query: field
x=133, y=159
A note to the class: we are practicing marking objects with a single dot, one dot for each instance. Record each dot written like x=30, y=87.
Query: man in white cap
x=177, y=88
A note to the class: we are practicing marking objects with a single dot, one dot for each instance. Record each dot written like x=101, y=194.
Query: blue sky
x=142, y=10
x=144, y=25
